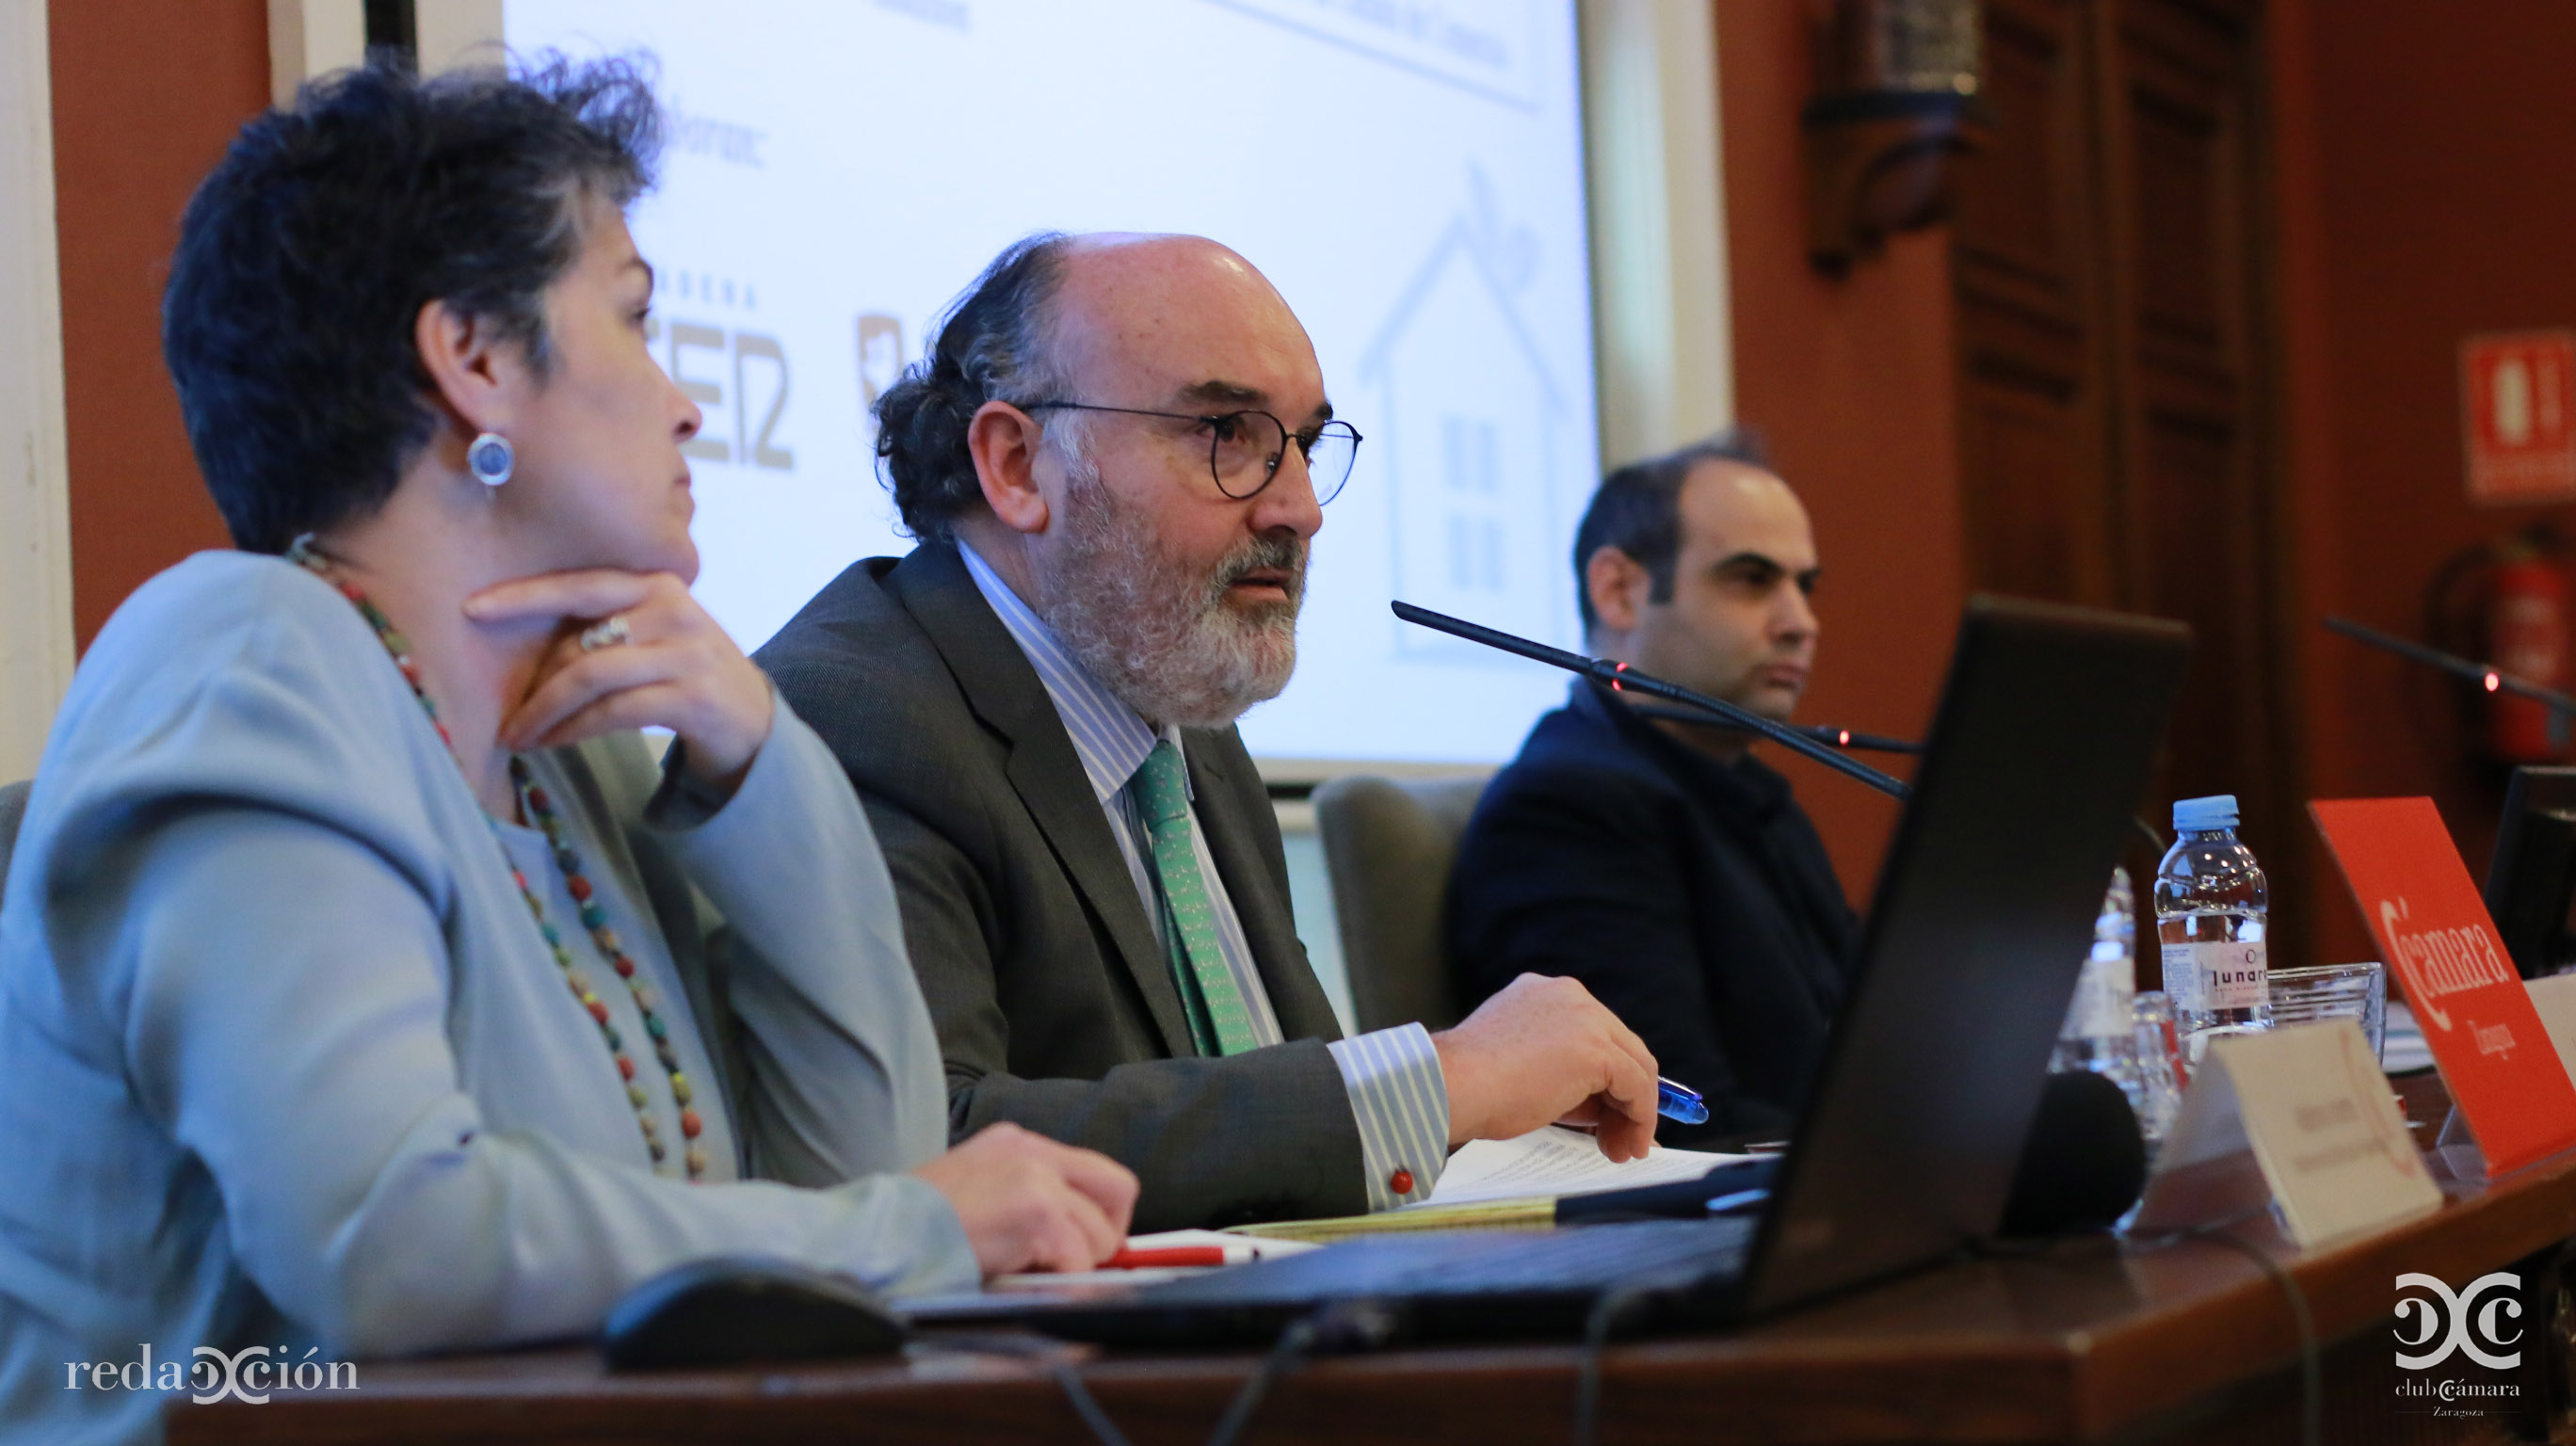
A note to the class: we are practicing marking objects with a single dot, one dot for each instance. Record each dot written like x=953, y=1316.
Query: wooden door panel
x=2017, y=216
x=2114, y=437
x=2179, y=142
x=2206, y=571
x=2178, y=290
x=2027, y=270
x=2034, y=521
x=2193, y=510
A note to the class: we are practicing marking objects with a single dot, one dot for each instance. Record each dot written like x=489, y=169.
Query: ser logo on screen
x=736, y=376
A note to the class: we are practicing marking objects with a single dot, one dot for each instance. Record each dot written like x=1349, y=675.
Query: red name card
x=2433, y=930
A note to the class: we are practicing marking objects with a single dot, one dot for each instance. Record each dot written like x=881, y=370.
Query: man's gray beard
x=1162, y=637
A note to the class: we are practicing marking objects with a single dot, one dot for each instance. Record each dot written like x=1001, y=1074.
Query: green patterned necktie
x=1219, y=1021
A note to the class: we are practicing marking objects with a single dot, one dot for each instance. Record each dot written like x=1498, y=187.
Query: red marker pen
x=1181, y=1255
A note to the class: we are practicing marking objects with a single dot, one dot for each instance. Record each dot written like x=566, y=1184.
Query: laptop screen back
x=2531, y=881
x=1983, y=916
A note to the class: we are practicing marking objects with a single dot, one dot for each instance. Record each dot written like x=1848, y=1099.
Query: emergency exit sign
x=2518, y=394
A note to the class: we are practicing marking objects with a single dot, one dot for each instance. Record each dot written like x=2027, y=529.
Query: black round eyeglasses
x=1245, y=448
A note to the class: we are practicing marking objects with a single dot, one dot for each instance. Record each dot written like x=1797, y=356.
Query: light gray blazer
x=283, y=1057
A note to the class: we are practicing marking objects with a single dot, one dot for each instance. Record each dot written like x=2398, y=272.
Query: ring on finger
x=609, y=633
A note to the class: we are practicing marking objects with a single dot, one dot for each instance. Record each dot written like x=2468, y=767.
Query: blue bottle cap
x=2198, y=815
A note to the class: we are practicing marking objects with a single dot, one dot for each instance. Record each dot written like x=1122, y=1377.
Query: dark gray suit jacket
x=1054, y=1004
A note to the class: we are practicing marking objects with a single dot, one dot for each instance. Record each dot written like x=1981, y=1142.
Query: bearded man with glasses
x=1114, y=457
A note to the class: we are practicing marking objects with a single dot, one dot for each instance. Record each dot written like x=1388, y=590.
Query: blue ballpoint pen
x=1682, y=1106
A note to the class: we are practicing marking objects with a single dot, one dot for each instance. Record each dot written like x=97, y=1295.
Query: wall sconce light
x=1898, y=101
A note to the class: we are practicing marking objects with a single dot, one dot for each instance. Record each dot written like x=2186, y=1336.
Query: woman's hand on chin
x=675, y=668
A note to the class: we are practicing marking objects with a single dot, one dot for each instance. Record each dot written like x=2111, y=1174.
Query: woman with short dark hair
x=365, y=988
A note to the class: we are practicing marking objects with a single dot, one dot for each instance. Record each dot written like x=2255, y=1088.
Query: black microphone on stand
x=2561, y=707
x=1624, y=678
x=1823, y=733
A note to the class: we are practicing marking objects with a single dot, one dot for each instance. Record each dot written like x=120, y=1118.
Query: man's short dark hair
x=305, y=257
x=991, y=345
x=1638, y=511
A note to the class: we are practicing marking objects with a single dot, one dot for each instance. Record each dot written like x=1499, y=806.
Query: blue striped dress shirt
x=1399, y=1099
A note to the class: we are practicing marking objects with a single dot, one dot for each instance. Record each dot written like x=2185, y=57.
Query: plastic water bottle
x=2211, y=909
x=2100, y=1033
x=2101, y=1029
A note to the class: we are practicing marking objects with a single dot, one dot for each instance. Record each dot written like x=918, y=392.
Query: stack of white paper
x=1557, y=1161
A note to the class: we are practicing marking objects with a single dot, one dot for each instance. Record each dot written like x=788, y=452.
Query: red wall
x=1852, y=382
x=147, y=93
x=2428, y=190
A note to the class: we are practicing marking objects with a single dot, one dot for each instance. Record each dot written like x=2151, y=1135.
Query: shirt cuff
x=1400, y=1101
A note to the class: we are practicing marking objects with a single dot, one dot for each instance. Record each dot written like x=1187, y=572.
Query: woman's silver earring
x=490, y=459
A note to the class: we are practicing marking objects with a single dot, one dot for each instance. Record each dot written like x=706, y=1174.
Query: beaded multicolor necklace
x=593, y=917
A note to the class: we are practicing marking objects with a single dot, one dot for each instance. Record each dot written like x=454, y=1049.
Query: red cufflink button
x=1401, y=1182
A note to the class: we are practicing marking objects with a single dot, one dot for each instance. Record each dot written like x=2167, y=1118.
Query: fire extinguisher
x=2521, y=629
x=2527, y=626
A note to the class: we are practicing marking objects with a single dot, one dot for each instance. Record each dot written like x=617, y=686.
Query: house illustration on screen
x=1468, y=426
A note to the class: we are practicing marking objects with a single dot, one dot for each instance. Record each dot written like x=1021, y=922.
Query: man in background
x=1114, y=457
x=1653, y=857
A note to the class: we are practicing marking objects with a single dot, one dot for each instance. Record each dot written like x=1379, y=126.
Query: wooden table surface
x=2078, y=1341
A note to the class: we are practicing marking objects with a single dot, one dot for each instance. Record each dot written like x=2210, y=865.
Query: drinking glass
x=2160, y=1068
x=2357, y=992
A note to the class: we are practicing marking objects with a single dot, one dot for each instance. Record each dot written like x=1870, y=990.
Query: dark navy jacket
x=1691, y=897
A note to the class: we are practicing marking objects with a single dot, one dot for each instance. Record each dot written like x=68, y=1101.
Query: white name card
x=2555, y=1000
x=2301, y=1116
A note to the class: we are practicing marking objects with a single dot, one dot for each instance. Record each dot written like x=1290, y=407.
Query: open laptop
x=1983, y=916
x=2531, y=881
